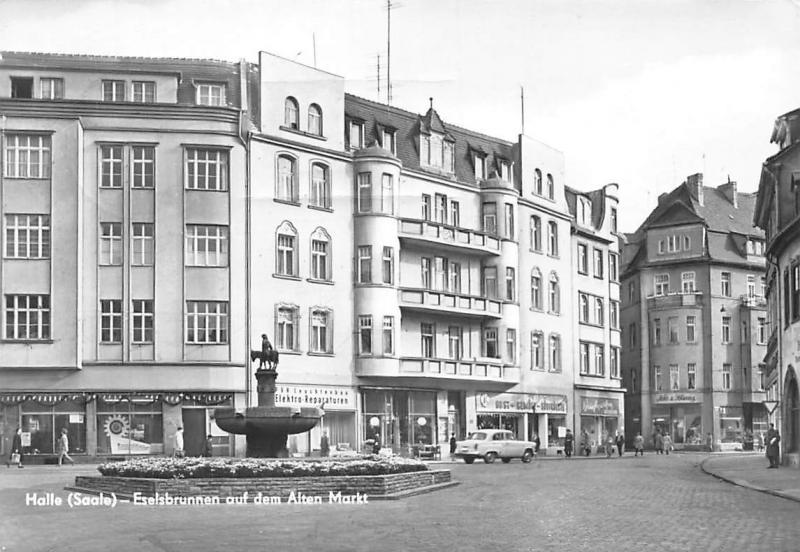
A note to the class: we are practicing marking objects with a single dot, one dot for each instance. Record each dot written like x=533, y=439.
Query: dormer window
x=437, y=152
x=113, y=91
x=356, y=135
x=22, y=87
x=51, y=89
x=388, y=140
x=480, y=166
x=505, y=171
x=211, y=94
x=585, y=211
x=315, y=120
x=291, y=113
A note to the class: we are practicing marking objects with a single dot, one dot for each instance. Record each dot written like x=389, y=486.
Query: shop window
x=129, y=426
x=45, y=422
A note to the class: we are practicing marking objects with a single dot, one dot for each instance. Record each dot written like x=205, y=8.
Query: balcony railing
x=477, y=369
x=449, y=236
x=675, y=299
x=753, y=301
x=449, y=302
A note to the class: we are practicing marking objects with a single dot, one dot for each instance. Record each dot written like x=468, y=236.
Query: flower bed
x=237, y=468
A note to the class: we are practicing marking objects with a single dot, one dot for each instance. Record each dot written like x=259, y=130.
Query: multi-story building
x=777, y=212
x=694, y=318
x=122, y=291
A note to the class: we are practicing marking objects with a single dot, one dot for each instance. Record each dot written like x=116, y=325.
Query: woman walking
x=16, y=450
x=63, y=447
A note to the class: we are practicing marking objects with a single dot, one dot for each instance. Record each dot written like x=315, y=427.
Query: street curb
x=746, y=484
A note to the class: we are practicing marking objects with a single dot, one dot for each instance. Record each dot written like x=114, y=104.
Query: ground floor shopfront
x=526, y=415
x=599, y=414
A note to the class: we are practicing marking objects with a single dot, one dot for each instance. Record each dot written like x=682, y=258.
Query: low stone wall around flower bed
x=374, y=486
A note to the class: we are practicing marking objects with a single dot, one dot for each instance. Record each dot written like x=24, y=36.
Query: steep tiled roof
x=407, y=126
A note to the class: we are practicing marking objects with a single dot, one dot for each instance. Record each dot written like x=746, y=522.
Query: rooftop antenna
x=522, y=106
x=389, y=52
x=314, y=42
x=379, y=77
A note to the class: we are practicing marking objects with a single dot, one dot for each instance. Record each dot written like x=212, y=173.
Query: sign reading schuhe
x=521, y=402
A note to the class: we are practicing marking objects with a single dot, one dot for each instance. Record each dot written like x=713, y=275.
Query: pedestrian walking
x=536, y=444
x=760, y=441
x=773, y=446
x=16, y=450
x=63, y=447
x=324, y=445
x=710, y=442
x=178, y=444
x=452, y=446
x=208, y=446
x=638, y=445
x=620, y=442
x=667, y=443
x=376, y=444
x=609, y=445
x=585, y=445
x=659, y=442
x=568, y=442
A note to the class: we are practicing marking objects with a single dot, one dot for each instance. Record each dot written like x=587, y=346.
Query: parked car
x=491, y=444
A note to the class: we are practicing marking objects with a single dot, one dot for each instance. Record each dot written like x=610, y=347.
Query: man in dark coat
x=569, y=439
x=452, y=445
x=773, y=446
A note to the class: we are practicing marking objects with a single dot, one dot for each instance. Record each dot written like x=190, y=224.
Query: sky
x=637, y=92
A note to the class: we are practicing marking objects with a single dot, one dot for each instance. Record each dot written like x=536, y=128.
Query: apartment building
x=693, y=317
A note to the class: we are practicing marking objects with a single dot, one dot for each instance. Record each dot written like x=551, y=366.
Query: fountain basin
x=278, y=420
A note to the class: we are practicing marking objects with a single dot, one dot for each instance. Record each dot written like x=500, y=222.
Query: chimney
x=729, y=190
x=695, y=184
x=662, y=197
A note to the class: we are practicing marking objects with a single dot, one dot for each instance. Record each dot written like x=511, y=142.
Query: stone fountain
x=267, y=426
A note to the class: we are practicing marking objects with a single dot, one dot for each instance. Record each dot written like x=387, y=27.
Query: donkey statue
x=267, y=356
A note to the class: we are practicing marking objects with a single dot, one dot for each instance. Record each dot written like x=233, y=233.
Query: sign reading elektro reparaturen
x=334, y=398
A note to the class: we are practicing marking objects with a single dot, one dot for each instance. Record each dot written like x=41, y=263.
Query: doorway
x=194, y=431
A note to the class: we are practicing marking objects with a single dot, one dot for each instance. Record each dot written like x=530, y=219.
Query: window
x=22, y=87
x=599, y=360
x=388, y=265
x=490, y=218
x=725, y=281
x=315, y=120
x=631, y=291
x=662, y=284
x=455, y=213
x=673, y=244
x=27, y=156
x=632, y=336
x=364, y=192
x=320, y=186
x=291, y=113
x=691, y=376
x=111, y=166
x=585, y=211
x=27, y=317
x=511, y=345
x=320, y=255
x=287, y=188
x=657, y=378
x=426, y=273
x=428, y=342
x=613, y=314
x=143, y=91
x=762, y=330
x=110, y=321
x=690, y=329
x=110, y=243
x=687, y=243
x=745, y=333
x=388, y=335
x=614, y=220
x=27, y=237
x=286, y=328
x=505, y=170
x=762, y=289
x=143, y=166
x=509, y=221
x=687, y=282
x=751, y=285
x=142, y=320
x=211, y=94
x=537, y=182
x=585, y=357
x=364, y=264
x=490, y=282
x=206, y=245
x=613, y=267
x=536, y=289
x=113, y=91
x=142, y=244
x=426, y=207
x=555, y=353
x=674, y=378
x=286, y=254
x=598, y=263
x=599, y=315
x=583, y=259
x=660, y=247
x=536, y=233
x=614, y=362
x=583, y=301
x=440, y=273
x=511, y=284
x=448, y=156
x=555, y=294
x=387, y=194
x=51, y=88
x=455, y=277
x=726, y=329
x=537, y=356
x=356, y=135
x=726, y=377
x=552, y=239
x=656, y=331
x=388, y=140
x=206, y=169
x=321, y=332
x=455, y=349
x=480, y=167
x=551, y=187
x=207, y=322
x=490, y=343
x=672, y=329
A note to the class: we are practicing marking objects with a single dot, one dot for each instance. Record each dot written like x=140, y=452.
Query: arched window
x=551, y=187
x=286, y=326
x=555, y=294
x=291, y=113
x=537, y=182
x=584, y=307
x=320, y=255
x=536, y=233
x=286, y=249
x=599, y=314
x=315, y=120
x=555, y=353
x=286, y=182
x=320, y=186
x=552, y=239
x=536, y=289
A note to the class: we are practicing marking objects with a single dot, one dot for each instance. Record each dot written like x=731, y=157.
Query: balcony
x=429, y=233
x=484, y=369
x=753, y=301
x=446, y=302
x=675, y=300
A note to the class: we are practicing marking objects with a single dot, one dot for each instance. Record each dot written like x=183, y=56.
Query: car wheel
x=506, y=460
x=527, y=456
x=490, y=457
x=468, y=460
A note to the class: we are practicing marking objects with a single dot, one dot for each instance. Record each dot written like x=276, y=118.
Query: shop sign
x=522, y=402
x=676, y=398
x=333, y=398
x=599, y=407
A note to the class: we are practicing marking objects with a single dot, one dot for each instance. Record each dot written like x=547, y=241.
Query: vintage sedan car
x=491, y=444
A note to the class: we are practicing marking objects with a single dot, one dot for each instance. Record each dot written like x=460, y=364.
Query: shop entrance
x=793, y=416
x=194, y=431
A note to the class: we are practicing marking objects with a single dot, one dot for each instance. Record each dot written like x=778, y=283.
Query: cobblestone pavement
x=651, y=503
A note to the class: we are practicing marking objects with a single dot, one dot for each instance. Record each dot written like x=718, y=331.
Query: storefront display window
x=553, y=425
x=510, y=422
x=730, y=424
x=129, y=427
x=682, y=423
x=44, y=423
x=400, y=418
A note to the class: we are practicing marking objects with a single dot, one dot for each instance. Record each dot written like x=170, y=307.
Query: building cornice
x=74, y=108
